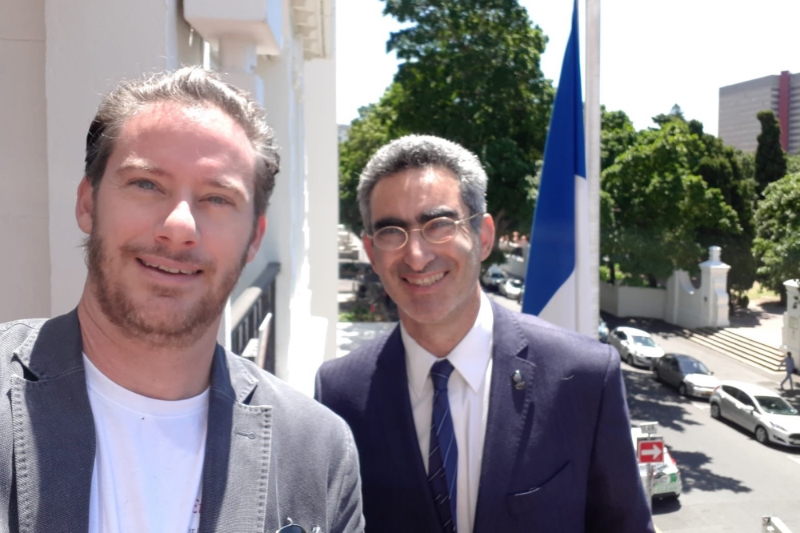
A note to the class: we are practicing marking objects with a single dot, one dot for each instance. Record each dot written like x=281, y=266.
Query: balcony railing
x=253, y=318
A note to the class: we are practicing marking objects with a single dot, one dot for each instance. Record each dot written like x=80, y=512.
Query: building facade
x=58, y=58
x=740, y=103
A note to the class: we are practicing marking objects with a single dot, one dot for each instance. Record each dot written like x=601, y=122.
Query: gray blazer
x=271, y=452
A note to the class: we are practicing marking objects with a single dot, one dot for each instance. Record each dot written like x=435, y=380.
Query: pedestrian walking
x=788, y=362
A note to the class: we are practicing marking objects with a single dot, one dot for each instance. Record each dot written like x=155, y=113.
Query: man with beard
x=470, y=418
x=125, y=414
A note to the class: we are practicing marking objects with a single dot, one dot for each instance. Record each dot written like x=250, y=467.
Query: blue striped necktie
x=443, y=458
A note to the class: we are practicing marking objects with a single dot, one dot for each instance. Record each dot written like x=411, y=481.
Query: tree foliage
x=617, y=134
x=471, y=73
x=655, y=204
x=374, y=127
x=770, y=157
x=777, y=242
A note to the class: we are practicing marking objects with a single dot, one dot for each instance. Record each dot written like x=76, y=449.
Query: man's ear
x=487, y=235
x=366, y=240
x=258, y=235
x=84, y=207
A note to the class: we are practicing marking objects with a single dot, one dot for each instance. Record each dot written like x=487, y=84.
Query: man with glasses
x=469, y=417
x=125, y=415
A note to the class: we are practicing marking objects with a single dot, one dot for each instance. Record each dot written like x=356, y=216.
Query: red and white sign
x=650, y=450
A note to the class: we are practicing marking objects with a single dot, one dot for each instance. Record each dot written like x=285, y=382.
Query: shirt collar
x=470, y=357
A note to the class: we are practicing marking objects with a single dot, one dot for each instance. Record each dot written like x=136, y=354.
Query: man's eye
x=218, y=200
x=145, y=184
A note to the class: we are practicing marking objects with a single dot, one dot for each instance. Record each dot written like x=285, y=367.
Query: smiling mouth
x=426, y=282
x=168, y=270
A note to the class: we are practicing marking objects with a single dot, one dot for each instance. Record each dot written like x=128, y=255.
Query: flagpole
x=592, y=125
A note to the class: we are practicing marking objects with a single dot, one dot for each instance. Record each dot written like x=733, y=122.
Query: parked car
x=667, y=481
x=636, y=347
x=689, y=375
x=511, y=288
x=493, y=277
x=759, y=410
x=602, y=331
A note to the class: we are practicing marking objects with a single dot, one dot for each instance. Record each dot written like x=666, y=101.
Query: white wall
x=91, y=46
x=24, y=265
x=643, y=302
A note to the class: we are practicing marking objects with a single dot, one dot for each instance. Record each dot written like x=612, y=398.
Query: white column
x=714, y=279
x=323, y=190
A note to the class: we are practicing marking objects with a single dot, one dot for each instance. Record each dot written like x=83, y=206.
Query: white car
x=759, y=410
x=667, y=481
x=636, y=347
x=511, y=288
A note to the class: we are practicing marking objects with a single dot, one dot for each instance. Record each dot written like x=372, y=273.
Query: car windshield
x=690, y=366
x=643, y=341
x=775, y=405
x=516, y=283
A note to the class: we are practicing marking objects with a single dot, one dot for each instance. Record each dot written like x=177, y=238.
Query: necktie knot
x=440, y=373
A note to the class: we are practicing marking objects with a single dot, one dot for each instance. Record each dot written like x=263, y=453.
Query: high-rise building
x=740, y=103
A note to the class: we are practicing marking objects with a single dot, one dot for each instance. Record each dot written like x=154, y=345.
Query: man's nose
x=179, y=227
x=418, y=251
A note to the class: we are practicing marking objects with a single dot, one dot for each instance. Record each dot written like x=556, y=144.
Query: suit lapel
x=235, y=491
x=392, y=411
x=513, y=385
x=54, y=437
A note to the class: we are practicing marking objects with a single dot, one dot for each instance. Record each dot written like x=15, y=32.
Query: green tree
x=777, y=242
x=471, y=73
x=793, y=164
x=770, y=157
x=374, y=127
x=617, y=134
x=655, y=205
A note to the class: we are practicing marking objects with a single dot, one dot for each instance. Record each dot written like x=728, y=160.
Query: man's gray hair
x=424, y=151
x=193, y=87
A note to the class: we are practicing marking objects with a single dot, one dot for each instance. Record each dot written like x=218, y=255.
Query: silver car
x=759, y=410
x=635, y=347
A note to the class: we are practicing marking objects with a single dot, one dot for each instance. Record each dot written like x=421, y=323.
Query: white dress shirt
x=468, y=394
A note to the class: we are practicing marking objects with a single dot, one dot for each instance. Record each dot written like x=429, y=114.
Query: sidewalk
x=762, y=321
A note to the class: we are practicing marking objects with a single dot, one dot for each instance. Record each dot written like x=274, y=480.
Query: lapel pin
x=517, y=381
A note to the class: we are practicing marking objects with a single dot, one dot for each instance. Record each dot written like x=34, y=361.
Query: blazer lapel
x=238, y=451
x=395, y=422
x=54, y=436
x=512, y=390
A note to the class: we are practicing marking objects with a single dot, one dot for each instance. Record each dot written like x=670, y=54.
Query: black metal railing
x=248, y=313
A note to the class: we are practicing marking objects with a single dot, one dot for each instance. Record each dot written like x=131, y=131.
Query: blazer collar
x=53, y=349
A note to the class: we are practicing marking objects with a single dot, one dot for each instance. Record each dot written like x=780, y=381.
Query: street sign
x=650, y=450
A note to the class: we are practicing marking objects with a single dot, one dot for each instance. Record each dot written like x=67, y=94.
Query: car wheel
x=656, y=375
x=761, y=435
x=682, y=389
x=630, y=359
x=715, y=411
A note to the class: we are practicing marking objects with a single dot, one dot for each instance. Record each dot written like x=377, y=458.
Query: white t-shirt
x=149, y=461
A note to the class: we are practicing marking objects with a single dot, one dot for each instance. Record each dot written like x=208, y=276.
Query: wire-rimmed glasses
x=436, y=231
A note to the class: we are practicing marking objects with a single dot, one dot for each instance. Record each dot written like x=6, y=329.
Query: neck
x=164, y=373
x=441, y=337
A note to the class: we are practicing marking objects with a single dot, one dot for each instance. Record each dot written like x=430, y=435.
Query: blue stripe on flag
x=552, y=252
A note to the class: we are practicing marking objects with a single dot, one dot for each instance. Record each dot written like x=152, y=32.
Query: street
x=729, y=480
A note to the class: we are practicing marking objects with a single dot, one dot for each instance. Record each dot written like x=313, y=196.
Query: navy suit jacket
x=557, y=455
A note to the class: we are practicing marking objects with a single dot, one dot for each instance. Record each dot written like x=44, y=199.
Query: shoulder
x=362, y=361
x=12, y=334
x=551, y=345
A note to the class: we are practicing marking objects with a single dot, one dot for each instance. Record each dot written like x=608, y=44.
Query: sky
x=653, y=53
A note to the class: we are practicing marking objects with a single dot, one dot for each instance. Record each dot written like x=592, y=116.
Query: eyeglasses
x=436, y=231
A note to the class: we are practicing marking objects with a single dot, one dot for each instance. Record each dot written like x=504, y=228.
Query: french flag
x=557, y=282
